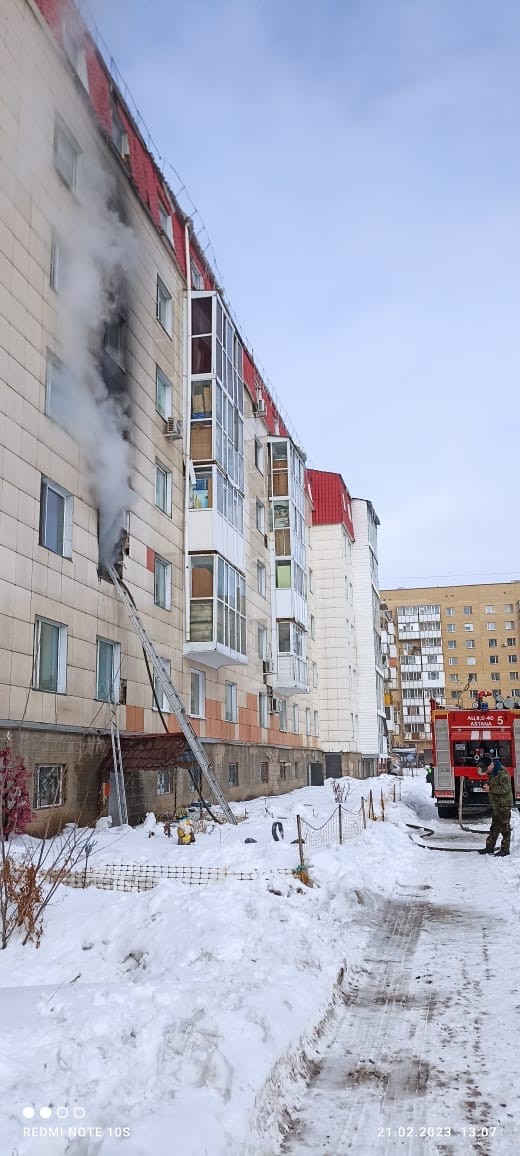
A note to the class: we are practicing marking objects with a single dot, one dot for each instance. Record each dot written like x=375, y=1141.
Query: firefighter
x=501, y=800
x=430, y=778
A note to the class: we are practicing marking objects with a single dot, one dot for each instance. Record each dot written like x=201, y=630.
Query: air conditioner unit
x=275, y=706
x=173, y=428
x=268, y=666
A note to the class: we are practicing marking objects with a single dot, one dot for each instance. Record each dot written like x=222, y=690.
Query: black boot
x=500, y=854
x=487, y=851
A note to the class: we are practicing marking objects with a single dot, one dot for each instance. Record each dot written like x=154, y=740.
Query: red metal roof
x=331, y=500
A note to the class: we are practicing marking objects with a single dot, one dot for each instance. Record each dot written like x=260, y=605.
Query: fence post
x=394, y=792
x=300, y=841
x=340, y=826
x=364, y=815
x=382, y=807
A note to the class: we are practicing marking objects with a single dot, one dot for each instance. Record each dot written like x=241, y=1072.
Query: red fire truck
x=462, y=737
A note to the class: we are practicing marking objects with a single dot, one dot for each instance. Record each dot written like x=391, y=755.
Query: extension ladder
x=165, y=684
x=119, y=778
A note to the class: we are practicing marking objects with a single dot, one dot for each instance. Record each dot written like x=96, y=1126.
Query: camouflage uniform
x=501, y=800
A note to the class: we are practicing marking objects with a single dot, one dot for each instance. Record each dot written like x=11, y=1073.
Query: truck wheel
x=446, y=810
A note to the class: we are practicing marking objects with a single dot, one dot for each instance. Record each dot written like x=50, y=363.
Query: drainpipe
x=187, y=434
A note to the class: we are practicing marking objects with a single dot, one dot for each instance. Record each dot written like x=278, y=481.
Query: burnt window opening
x=113, y=546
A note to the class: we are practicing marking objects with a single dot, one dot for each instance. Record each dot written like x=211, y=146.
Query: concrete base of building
x=79, y=755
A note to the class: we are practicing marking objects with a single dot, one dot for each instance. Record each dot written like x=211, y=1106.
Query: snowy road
x=425, y=1058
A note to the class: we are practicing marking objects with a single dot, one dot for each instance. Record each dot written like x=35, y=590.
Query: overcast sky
x=357, y=166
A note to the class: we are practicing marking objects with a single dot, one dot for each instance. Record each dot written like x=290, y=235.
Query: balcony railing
x=292, y=675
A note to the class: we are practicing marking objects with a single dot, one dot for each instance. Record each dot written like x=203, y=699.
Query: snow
x=188, y=1014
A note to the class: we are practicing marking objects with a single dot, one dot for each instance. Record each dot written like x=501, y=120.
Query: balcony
x=292, y=676
x=216, y=614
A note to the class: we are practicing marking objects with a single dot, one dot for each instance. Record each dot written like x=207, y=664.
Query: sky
x=356, y=166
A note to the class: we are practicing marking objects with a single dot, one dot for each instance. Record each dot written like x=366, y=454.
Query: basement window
x=48, y=785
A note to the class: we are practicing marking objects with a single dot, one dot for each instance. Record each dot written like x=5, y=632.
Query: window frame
x=168, y=477
x=61, y=131
x=60, y=767
x=165, y=706
x=263, y=710
x=200, y=677
x=47, y=484
x=261, y=579
x=159, y=561
x=116, y=669
x=61, y=657
x=164, y=298
x=260, y=516
x=231, y=702
x=233, y=775
x=165, y=383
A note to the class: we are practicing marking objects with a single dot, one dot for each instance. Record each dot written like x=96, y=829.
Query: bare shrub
x=341, y=789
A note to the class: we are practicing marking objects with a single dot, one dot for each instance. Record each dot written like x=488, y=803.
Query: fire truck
x=461, y=738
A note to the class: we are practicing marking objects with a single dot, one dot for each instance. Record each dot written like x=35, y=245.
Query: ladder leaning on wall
x=119, y=778
x=165, y=684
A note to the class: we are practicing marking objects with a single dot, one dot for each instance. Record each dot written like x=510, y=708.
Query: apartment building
x=136, y=429
x=452, y=642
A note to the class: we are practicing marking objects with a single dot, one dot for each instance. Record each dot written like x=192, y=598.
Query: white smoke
x=97, y=253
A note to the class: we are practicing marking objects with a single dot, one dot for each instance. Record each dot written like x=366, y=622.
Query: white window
x=262, y=642
x=119, y=134
x=48, y=786
x=508, y=608
x=233, y=774
x=162, y=583
x=470, y=645
x=108, y=670
x=314, y=674
x=469, y=626
x=513, y=676
x=114, y=340
x=260, y=578
x=311, y=581
x=55, y=387
x=263, y=710
x=50, y=656
x=163, y=394
x=74, y=47
x=283, y=714
x=259, y=456
x=451, y=628
x=308, y=721
x=508, y=625
x=452, y=645
x=198, y=694
x=491, y=625
x=471, y=662
x=313, y=627
x=159, y=695
x=454, y=678
x=66, y=156
x=260, y=517
x=197, y=280
x=512, y=659
x=495, y=677
x=166, y=221
x=231, y=702
x=490, y=609
x=55, y=518
x=468, y=610
x=450, y=610
x=316, y=724
x=56, y=270
x=509, y=641
x=163, y=489
x=295, y=718
x=164, y=307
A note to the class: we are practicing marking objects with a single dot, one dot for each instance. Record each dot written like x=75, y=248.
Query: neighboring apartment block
x=136, y=429
x=452, y=642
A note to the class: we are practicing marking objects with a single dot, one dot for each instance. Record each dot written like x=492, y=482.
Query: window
x=468, y=626
x=119, y=134
x=455, y=694
x=48, y=786
x=50, y=656
x=283, y=714
x=311, y=581
x=492, y=643
x=308, y=721
x=231, y=702
x=108, y=670
x=512, y=659
x=314, y=674
x=259, y=456
x=495, y=677
x=313, y=627
x=166, y=221
x=55, y=518
x=164, y=307
x=451, y=628
x=260, y=517
x=450, y=610
x=165, y=784
x=452, y=645
x=508, y=625
x=197, y=280
x=316, y=724
x=55, y=387
x=163, y=394
x=233, y=774
x=74, y=48
x=163, y=489
x=198, y=694
x=471, y=661
x=260, y=578
x=490, y=609
x=56, y=271
x=491, y=625
x=513, y=676
x=159, y=695
x=283, y=772
x=471, y=677
x=263, y=710
x=162, y=583
x=469, y=644
x=295, y=719
x=66, y=156
x=454, y=678
x=264, y=772
x=508, y=608
x=262, y=642
x=493, y=658
x=453, y=662
x=283, y=575
x=114, y=340
x=468, y=610
x=510, y=641
x=284, y=637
